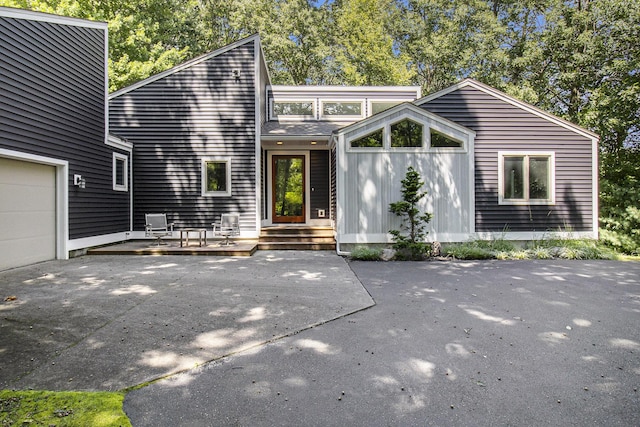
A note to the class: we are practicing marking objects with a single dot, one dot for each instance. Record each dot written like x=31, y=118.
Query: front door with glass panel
x=288, y=189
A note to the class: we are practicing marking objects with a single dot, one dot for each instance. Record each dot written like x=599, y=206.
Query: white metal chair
x=156, y=226
x=228, y=226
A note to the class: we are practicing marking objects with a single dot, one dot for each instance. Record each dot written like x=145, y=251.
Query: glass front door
x=288, y=189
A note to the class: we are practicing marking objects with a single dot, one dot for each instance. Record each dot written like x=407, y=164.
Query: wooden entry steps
x=299, y=238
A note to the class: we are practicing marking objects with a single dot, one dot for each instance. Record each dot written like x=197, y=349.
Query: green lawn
x=68, y=408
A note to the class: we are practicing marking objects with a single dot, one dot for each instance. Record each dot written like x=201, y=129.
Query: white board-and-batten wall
x=369, y=179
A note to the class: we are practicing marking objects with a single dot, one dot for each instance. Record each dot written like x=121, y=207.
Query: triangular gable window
x=439, y=139
x=372, y=140
x=406, y=133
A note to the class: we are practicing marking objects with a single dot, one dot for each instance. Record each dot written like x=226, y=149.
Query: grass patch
x=364, y=253
x=552, y=248
x=67, y=408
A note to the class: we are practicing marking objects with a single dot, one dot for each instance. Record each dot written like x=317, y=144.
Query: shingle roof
x=292, y=129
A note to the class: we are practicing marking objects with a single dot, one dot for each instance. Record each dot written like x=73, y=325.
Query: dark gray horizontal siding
x=334, y=185
x=173, y=122
x=319, y=182
x=501, y=126
x=52, y=103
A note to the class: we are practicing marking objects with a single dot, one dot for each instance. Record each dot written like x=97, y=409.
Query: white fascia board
x=337, y=89
x=262, y=62
x=510, y=100
x=183, y=66
x=9, y=12
x=119, y=143
x=409, y=106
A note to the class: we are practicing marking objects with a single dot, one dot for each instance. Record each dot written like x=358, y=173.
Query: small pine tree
x=409, y=242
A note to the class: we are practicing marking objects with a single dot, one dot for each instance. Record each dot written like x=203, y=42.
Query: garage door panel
x=27, y=213
x=41, y=199
x=26, y=225
x=23, y=252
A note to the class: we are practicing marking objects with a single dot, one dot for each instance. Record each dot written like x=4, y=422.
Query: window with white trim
x=120, y=172
x=371, y=140
x=216, y=177
x=341, y=109
x=526, y=178
x=302, y=109
x=379, y=106
x=440, y=140
x=406, y=134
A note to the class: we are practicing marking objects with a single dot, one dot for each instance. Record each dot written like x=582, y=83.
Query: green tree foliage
x=620, y=201
x=409, y=241
x=446, y=40
x=363, y=47
x=579, y=59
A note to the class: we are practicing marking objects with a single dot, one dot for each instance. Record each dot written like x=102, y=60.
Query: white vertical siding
x=369, y=180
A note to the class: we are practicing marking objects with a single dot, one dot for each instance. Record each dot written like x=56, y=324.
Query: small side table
x=184, y=236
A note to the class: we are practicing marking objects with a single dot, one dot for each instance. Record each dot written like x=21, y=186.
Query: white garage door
x=27, y=213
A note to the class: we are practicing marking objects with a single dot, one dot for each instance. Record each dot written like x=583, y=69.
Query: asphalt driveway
x=523, y=343
x=294, y=338
x=113, y=322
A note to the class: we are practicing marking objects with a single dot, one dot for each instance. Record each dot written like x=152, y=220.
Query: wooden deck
x=172, y=247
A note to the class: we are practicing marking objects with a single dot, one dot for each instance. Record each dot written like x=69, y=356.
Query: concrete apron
x=113, y=322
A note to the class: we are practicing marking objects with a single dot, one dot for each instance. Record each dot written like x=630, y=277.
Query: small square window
x=120, y=172
x=526, y=178
x=216, y=177
x=406, y=134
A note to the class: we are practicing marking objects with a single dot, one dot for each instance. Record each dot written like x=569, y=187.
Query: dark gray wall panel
x=333, y=189
x=52, y=103
x=200, y=111
x=502, y=126
x=319, y=182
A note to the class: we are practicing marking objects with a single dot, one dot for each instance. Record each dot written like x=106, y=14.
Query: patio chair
x=228, y=226
x=156, y=226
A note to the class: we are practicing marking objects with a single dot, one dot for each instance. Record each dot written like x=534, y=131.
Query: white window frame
x=526, y=201
x=401, y=119
x=340, y=117
x=203, y=176
x=293, y=116
x=117, y=157
x=368, y=149
x=370, y=103
x=460, y=149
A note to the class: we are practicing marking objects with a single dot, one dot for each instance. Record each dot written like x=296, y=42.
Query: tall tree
x=446, y=40
x=363, y=47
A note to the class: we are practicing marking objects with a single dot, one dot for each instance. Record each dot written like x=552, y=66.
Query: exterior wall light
x=79, y=181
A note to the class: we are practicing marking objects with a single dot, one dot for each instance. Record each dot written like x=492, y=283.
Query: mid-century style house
x=213, y=136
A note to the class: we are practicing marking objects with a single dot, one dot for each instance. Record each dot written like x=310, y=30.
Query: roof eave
x=511, y=100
